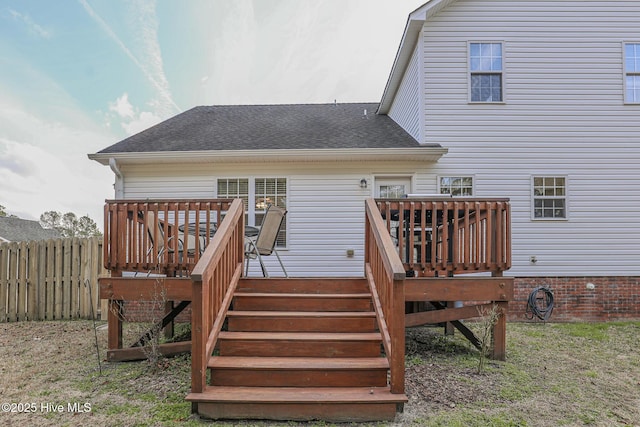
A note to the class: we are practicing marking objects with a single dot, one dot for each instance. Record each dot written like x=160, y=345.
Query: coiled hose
x=542, y=311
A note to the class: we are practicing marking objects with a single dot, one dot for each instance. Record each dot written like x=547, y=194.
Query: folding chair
x=264, y=244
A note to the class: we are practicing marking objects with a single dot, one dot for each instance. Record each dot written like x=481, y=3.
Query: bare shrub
x=488, y=319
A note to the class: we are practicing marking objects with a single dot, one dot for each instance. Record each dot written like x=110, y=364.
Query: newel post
x=397, y=333
x=198, y=337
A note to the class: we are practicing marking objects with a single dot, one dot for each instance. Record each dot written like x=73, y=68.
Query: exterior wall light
x=363, y=183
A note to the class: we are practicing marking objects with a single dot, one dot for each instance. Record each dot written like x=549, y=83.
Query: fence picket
x=21, y=282
x=4, y=280
x=12, y=283
x=32, y=289
x=53, y=279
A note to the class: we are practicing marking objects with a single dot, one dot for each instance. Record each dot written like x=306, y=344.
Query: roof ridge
x=288, y=104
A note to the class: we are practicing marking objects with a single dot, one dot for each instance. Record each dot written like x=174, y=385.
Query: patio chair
x=264, y=244
x=189, y=239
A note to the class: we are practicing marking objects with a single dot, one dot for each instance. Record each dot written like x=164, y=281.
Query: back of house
x=535, y=101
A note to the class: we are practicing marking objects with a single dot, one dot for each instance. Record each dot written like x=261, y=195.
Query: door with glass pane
x=392, y=188
x=396, y=188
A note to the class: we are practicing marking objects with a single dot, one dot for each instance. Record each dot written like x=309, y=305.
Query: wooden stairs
x=299, y=349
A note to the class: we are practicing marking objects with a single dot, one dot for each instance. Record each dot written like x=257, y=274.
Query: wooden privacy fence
x=50, y=279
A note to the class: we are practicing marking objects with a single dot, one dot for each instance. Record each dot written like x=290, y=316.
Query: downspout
x=119, y=184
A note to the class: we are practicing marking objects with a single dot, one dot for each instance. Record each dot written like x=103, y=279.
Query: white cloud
x=145, y=24
x=32, y=27
x=46, y=182
x=44, y=165
x=132, y=120
x=122, y=107
x=293, y=51
x=144, y=121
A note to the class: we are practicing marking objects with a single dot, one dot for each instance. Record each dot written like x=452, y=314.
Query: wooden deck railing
x=163, y=236
x=385, y=275
x=450, y=235
x=215, y=279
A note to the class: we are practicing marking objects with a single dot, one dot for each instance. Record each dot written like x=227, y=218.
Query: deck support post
x=169, y=330
x=114, y=323
x=449, y=329
x=499, y=333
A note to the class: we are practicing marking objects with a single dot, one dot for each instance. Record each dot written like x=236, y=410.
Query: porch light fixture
x=363, y=183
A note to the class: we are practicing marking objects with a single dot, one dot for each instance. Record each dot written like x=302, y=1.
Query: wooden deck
x=313, y=348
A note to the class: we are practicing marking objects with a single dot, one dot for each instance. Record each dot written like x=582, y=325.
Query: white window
x=262, y=192
x=485, y=72
x=271, y=191
x=456, y=185
x=549, y=195
x=632, y=73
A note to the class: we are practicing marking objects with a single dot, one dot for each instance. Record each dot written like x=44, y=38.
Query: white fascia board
x=412, y=31
x=420, y=154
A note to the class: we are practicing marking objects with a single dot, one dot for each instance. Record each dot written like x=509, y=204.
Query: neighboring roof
x=415, y=22
x=282, y=130
x=18, y=230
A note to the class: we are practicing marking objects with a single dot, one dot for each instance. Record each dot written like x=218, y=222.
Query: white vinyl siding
x=405, y=109
x=564, y=117
x=324, y=200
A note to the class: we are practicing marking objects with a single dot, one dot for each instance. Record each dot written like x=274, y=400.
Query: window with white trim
x=549, y=195
x=271, y=191
x=632, y=73
x=485, y=72
x=262, y=192
x=456, y=185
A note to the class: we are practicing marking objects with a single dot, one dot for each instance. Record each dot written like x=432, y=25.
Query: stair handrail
x=385, y=274
x=215, y=278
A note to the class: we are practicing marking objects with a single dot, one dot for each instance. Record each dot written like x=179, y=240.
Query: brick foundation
x=610, y=298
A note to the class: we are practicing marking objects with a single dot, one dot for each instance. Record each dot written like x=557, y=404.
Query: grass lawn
x=555, y=374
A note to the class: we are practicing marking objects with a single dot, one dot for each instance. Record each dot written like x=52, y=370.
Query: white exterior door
x=392, y=188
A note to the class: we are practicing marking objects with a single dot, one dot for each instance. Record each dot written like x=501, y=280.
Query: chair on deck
x=264, y=244
x=157, y=239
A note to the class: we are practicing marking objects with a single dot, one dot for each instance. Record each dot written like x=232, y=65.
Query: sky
x=77, y=76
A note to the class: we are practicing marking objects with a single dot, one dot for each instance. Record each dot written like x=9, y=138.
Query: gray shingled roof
x=18, y=230
x=259, y=127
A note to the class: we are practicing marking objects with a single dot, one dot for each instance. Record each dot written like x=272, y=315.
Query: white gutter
x=119, y=184
x=408, y=154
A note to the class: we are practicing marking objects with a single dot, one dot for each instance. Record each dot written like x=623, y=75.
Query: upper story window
x=262, y=192
x=549, y=197
x=485, y=72
x=456, y=185
x=632, y=73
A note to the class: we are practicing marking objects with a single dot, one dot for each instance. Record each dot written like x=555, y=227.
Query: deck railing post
x=397, y=338
x=198, y=338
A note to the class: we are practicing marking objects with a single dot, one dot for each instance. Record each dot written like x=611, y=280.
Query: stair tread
x=301, y=295
x=237, y=313
x=297, y=395
x=302, y=336
x=291, y=363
